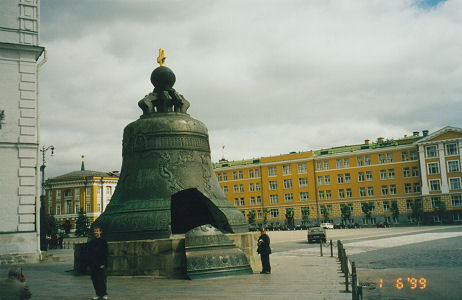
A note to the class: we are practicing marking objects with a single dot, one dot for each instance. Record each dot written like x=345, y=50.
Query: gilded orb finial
x=161, y=58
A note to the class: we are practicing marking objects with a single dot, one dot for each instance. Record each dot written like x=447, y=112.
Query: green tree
x=305, y=215
x=440, y=209
x=345, y=213
x=367, y=209
x=290, y=216
x=265, y=216
x=82, y=225
x=325, y=213
x=251, y=217
x=395, y=210
x=417, y=210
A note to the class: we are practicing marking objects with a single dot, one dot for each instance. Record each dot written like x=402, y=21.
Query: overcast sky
x=266, y=77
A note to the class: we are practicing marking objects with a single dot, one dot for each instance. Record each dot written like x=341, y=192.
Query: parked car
x=327, y=225
x=316, y=234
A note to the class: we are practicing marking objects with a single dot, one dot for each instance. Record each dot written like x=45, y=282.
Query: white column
x=423, y=170
x=444, y=177
x=460, y=154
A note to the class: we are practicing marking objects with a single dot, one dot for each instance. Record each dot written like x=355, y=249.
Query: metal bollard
x=346, y=277
x=331, y=249
x=354, y=282
x=320, y=246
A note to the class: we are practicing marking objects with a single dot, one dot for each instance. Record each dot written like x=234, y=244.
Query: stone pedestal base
x=162, y=258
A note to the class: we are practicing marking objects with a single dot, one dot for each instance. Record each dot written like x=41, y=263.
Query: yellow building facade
x=394, y=181
x=89, y=190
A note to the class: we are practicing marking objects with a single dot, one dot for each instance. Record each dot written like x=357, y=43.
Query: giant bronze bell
x=167, y=184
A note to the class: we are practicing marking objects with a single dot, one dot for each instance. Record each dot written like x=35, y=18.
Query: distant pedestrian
x=14, y=287
x=264, y=250
x=97, y=256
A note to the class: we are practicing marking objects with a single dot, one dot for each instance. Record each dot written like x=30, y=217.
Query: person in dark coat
x=264, y=250
x=14, y=287
x=98, y=254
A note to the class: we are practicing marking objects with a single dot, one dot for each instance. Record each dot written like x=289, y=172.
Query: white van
x=327, y=225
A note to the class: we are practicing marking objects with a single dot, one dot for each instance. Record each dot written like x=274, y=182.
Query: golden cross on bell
x=161, y=58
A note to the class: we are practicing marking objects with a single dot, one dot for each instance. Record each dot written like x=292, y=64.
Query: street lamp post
x=42, y=167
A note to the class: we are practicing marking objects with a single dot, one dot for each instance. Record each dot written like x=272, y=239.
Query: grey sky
x=266, y=77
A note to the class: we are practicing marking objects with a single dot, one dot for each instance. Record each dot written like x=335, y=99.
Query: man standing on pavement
x=264, y=250
x=14, y=287
x=98, y=253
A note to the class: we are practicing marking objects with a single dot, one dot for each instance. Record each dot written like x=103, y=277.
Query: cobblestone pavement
x=293, y=277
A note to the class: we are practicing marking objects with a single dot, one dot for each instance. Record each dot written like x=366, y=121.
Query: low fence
x=349, y=270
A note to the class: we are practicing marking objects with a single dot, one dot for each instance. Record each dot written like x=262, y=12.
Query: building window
x=77, y=194
x=362, y=192
x=88, y=206
x=77, y=207
x=258, y=200
x=367, y=160
x=391, y=173
x=289, y=197
x=383, y=174
x=360, y=176
x=234, y=175
x=340, y=178
x=318, y=166
x=274, y=213
x=88, y=193
x=431, y=151
x=346, y=162
x=320, y=180
x=341, y=193
x=257, y=186
x=406, y=172
x=69, y=206
x=236, y=202
x=392, y=189
x=109, y=190
x=386, y=206
x=287, y=183
x=321, y=195
x=303, y=196
x=326, y=165
x=347, y=178
x=303, y=182
x=360, y=161
x=413, y=154
x=454, y=183
x=273, y=185
x=451, y=149
x=381, y=158
x=235, y=189
x=368, y=175
x=259, y=214
x=242, y=202
x=436, y=202
x=271, y=171
x=415, y=171
x=327, y=179
x=348, y=193
x=433, y=168
x=58, y=194
x=225, y=189
x=302, y=168
x=273, y=199
x=408, y=204
x=286, y=170
x=389, y=157
x=338, y=163
x=241, y=174
x=219, y=177
x=58, y=209
x=404, y=156
x=328, y=195
x=370, y=191
x=225, y=177
x=251, y=187
x=435, y=185
x=453, y=166
x=456, y=200
x=407, y=188
x=384, y=190
x=68, y=193
x=416, y=186
x=251, y=173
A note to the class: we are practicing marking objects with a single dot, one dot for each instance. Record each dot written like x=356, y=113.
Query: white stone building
x=19, y=130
